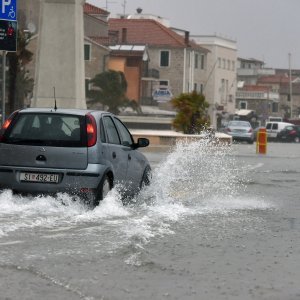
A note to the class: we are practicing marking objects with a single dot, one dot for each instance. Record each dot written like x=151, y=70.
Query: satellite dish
x=31, y=27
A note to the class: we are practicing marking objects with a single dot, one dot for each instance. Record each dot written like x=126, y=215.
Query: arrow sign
x=8, y=10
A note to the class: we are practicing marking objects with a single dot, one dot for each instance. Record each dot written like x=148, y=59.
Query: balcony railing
x=257, y=95
x=151, y=73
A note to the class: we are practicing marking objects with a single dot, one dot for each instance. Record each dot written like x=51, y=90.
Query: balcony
x=255, y=72
x=255, y=95
x=150, y=74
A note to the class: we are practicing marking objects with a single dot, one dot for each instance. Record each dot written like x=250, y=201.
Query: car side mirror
x=141, y=142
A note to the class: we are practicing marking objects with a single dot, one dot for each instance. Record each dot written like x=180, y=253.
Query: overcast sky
x=267, y=30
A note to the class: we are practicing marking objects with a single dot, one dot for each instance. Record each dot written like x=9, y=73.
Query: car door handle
x=114, y=155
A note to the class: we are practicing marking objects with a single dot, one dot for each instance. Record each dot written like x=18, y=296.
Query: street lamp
x=290, y=81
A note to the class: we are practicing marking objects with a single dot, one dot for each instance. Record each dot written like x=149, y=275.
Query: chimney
x=187, y=38
x=124, y=36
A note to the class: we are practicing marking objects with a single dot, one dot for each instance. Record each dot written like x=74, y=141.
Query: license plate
x=39, y=177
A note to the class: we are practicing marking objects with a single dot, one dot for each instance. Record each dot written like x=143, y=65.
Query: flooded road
x=215, y=223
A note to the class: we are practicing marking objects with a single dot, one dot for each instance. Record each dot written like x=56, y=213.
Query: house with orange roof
x=172, y=63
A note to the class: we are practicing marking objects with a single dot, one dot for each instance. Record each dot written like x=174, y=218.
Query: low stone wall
x=169, y=138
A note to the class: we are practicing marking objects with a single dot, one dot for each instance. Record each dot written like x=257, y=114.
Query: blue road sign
x=8, y=10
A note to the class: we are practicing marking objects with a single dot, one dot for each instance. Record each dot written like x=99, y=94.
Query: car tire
x=297, y=139
x=104, y=187
x=146, y=178
x=250, y=142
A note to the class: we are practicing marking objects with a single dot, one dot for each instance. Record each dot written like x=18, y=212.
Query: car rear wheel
x=103, y=189
x=106, y=187
x=146, y=177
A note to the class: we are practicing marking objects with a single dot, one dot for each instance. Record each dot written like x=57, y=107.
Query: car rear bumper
x=242, y=137
x=70, y=181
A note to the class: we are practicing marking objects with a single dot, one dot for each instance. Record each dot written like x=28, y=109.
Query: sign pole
x=3, y=84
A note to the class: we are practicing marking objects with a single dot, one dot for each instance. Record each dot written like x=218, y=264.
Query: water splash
x=196, y=178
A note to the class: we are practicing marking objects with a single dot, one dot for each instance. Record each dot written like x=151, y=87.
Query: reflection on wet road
x=215, y=223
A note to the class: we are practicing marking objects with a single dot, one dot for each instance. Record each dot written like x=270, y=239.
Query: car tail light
x=292, y=132
x=250, y=130
x=228, y=129
x=91, y=130
x=6, y=124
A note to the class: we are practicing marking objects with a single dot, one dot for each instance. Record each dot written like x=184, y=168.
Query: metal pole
x=3, y=84
x=291, y=91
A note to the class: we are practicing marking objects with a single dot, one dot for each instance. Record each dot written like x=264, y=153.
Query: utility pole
x=3, y=85
x=291, y=88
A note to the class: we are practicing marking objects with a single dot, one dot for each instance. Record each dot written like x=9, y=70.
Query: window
x=195, y=87
x=125, y=135
x=43, y=129
x=275, y=107
x=196, y=60
x=201, y=88
x=233, y=65
x=102, y=132
x=243, y=104
x=164, y=82
x=219, y=62
x=87, y=52
x=164, y=58
x=224, y=63
x=202, y=61
x=111, y=130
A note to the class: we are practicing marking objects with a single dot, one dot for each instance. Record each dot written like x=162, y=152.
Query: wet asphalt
x=244, y=245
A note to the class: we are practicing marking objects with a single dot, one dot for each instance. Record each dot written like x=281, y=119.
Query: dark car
x=81, y=152
x=290, y=133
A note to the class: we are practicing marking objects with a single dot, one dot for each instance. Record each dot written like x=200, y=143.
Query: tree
x=19, y=83
x=109, y=89
x=191, y=114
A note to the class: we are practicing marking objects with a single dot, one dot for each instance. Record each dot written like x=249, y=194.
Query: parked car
x=240, y=131
x=274, y=127
x=290, y=133
x=81, y=152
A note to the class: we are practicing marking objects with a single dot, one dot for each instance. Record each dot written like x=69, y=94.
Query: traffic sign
x=8, y=10
x=8, y=35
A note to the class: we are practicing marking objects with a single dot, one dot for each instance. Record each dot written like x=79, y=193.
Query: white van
x=274, y=127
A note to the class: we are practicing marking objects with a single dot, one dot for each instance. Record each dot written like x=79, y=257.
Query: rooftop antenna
x=55, y=107
x=124, y=7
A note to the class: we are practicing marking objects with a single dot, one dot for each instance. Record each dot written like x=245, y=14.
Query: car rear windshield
x=47, y=129
x=239, y=124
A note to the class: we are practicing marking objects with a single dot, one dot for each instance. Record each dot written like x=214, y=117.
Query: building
x=174, y=63
x=219, y=86
x=278, y=89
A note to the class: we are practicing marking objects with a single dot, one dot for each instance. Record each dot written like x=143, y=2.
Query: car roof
x=67, y=111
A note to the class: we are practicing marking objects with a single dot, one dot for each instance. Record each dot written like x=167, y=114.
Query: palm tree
x=109, y=88
x=191, y=114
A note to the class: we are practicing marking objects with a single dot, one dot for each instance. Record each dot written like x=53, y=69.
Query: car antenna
x=55, y=107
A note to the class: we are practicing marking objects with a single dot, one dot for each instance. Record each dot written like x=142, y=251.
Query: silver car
x=240, y=131
x=80, y=152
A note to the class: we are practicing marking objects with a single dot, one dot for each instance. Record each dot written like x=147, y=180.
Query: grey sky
x=264, y=29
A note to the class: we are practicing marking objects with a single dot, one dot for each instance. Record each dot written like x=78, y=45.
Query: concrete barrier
x=169, y=138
